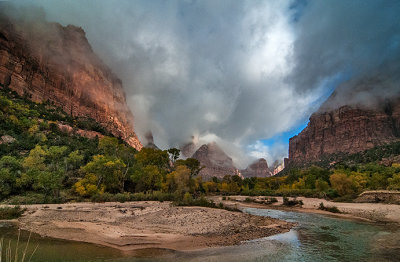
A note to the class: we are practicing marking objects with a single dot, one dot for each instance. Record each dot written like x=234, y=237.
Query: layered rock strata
x=348, y=129
x=50, y=62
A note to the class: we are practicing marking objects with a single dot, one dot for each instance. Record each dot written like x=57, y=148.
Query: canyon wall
x=348, y=129
x=54, y=63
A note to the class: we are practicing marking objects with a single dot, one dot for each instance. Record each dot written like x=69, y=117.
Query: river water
x=316, y=238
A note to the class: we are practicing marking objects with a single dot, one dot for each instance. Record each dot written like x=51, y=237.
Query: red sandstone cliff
x=56, y=63
x=347, y=129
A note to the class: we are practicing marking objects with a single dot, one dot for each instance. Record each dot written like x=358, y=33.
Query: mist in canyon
x=235, y=72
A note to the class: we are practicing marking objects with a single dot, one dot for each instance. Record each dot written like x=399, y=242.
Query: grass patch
x=11, y=212
x=332, y=209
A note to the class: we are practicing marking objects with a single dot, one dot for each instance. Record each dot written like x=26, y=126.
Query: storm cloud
x=233, y=71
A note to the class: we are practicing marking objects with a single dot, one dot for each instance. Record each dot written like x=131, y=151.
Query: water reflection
x=316, y=238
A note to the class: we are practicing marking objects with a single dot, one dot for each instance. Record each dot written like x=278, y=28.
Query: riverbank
x=138, y=225
x=375, y=212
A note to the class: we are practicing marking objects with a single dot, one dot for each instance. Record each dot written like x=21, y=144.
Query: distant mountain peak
x=216, y=162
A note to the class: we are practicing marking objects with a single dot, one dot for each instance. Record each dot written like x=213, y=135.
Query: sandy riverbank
x=376, y=212
x=137, y=225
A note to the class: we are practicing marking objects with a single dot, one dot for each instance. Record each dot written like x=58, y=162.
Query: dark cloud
x=233, y=71
x=344, y=37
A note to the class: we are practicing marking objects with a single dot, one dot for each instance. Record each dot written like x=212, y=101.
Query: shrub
x=292, y=202
x=248, y=200
x=101, y=198
x=187, y=198
x=204, y=202
x=11, y=212
x=346, y=198
x=28, y=198
x=332, y=209
x=271, y=200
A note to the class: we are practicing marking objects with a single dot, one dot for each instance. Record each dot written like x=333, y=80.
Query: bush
x=101, y=198
x=332, y=209
x=271, y=200
x=28, y=198
x=346, y=198
x=125, y=197
x=332, y=193
x=204, y=202
x=248, y=200
x=292, y=202
x=11, y=212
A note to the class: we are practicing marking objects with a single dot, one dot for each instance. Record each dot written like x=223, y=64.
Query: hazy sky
x=247, y=74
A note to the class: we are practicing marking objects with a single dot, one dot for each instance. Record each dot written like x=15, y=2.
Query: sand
x=374, y=212
x=138, y=225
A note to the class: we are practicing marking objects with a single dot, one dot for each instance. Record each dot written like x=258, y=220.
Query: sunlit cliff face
x=56, y=63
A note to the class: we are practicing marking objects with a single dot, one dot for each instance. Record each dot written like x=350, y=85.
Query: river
x=315, y=238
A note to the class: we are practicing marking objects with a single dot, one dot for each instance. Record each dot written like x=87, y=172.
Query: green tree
x=88, y=186
x=109, y=171
x=74, y=160
x=109, y=146
x=147, y=178
x=153, y=157
x=36, y=159
x=10, y=170
x=191, y=163
x=394, y=182
x=173, y=154
x=321, y=185
x=342, y=184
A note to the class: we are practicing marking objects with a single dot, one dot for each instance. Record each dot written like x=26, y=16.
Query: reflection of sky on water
x=315, y=238
x=290, y=237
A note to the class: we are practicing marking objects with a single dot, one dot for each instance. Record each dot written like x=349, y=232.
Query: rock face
x=216, y=163
x=258, y=168
x=6, y=139
x=80, y=132
x=277, y=167
x=188, y=149
x=347, y=129
x=150, y=141
x=53, y=63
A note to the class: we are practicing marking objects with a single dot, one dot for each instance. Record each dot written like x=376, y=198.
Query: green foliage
x=292, y=202
x=342, y=183
x=147, y=178
x=28, y=198
x=153, y=157
x=332, y=209
x=394, y=182
x=51, y=165
x=11, y=212
x=124, y=197
x=192, y=164
x=173, y=154
x=109, y=171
